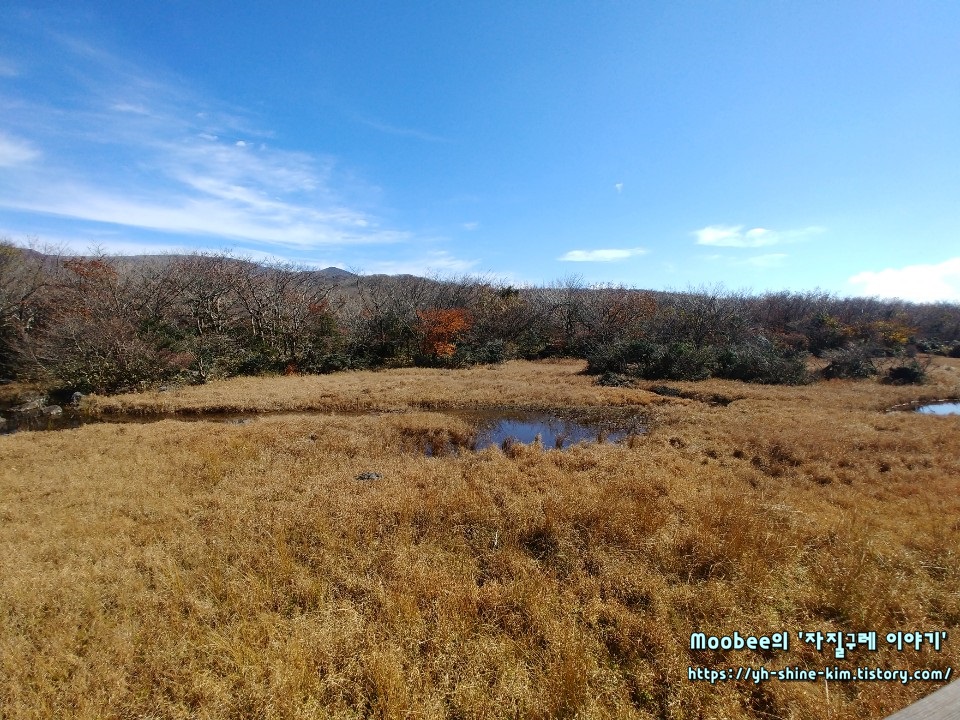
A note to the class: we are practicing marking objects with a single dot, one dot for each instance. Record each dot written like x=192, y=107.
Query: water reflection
x=553, y=431
x=940, y=408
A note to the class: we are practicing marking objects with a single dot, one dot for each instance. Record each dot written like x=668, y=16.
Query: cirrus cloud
x=736, y=236
x=14, y=151
x=602, y=255
x=128, y=149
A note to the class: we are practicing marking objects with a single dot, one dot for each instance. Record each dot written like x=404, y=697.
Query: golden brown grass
x=546, y=384
x=229, y=571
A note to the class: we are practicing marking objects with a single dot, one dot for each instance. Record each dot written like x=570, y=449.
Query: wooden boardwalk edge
x=944, y=704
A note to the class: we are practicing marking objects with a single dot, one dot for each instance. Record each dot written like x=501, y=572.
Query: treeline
x=107, y=323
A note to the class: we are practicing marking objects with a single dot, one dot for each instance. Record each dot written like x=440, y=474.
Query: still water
x=941, y=408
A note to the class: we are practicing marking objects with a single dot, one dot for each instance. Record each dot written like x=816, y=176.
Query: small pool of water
x=941, y=408
x=15, y=422
x=554, y=432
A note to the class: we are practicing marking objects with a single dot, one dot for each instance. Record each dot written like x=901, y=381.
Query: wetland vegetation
x=318, y=563
x=331, y=551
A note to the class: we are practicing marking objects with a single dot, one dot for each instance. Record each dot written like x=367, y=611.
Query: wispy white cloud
x=400, y=131
x=602, y=255
x=230, y=218
x=15, y=151
x=736, y=236
x=142, y=152
x=126, y=107
x=919, y=283
x=473, y=225
x=618, y=187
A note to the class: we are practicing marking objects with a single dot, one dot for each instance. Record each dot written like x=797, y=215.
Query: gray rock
x=370, y=476
x=3, y=424
x=31, y=407
x=52, y=410
x=76, y=398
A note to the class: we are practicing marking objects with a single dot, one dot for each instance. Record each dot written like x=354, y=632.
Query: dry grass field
x=210, y=570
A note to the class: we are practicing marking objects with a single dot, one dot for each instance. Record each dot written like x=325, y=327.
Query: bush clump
x=761, y=361
x=754, y=360
x=492, y=352
x=654, y=361
x=851, y=362
x=911, y=372
x=326, y=363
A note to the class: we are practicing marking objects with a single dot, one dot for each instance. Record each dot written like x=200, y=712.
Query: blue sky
x=761, y=146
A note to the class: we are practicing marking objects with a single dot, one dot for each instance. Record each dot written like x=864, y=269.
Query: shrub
x=827, y=332
x=757, y=360
x=686, y=361
x=653, y=361
x=908, y=373
x=760, y=361
x=933, y=347
x=492, y=352
x=853, y=361
x=607, y=358
x=323, y=363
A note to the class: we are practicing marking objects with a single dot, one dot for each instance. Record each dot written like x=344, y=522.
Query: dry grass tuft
x=212, y=570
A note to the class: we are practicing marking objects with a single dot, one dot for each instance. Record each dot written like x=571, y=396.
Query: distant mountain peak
x=336, y=273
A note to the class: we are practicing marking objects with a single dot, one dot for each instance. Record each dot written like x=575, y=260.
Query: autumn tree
x=440, y=330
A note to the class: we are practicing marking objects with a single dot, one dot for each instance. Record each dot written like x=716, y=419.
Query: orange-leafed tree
x=440, y=330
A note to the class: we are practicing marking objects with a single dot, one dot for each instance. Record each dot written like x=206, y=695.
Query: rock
x=31, y=407
x=76, y=398
x=3, y=424
x=52, y=410
x=370, y=476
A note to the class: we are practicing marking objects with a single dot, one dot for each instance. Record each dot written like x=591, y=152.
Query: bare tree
x=25, y=279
